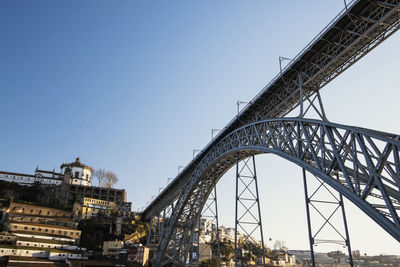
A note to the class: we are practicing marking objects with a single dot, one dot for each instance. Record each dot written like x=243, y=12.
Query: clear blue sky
x=134, y=86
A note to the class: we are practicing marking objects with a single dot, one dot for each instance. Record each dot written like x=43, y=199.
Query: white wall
x=45, y=245
x=39, y=254
x=24, y=180
x=28, y=180
x=23, y=252
x=87, y=175
x=46, y=237
x=84, y=176
x=63, y=256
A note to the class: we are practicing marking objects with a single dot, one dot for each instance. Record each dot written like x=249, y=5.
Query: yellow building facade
x=44, y=229
x=92, y=207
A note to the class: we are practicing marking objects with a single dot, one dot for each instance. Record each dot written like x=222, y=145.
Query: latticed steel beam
x=359, y=28
x=208, y=218
x=366, y=162
x=247, y=209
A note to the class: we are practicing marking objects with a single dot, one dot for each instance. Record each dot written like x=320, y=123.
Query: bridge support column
x=210, y=213
x=310, y=237
x=247, y=207
x=336, y=204
x=313, y=98
x=150, y=232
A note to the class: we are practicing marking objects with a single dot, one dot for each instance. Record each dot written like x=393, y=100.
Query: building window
x=76, y=174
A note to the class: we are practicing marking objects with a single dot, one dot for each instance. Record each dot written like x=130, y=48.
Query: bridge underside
x=362, y=165
x=356, y=30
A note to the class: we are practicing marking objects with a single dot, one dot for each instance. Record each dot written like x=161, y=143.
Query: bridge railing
x=265, y=88
x=289, y=65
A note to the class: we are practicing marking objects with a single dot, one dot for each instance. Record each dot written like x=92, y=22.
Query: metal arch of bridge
x=352, y=34
x=366, y=161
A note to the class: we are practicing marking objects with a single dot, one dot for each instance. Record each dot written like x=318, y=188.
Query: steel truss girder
x=345, y=40
x=357, y=31
x=366, y=161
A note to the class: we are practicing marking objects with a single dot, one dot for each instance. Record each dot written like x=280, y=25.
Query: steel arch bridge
x=361, y=164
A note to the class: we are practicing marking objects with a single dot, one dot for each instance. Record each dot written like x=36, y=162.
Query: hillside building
x=138, y=254
x=71, y=173
x=24, y=213
x=77, y=173
x=40, y=176
x=34, y=232
x=72, y=184
x=92, y=207
x=112, y=248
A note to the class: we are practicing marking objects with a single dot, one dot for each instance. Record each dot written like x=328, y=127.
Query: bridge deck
x=355, y=31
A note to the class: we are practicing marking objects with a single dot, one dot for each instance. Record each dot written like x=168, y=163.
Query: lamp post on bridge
x=179, y=168
x=280, y=62
x=213, y=131
x=238, y=103
x=195, y=151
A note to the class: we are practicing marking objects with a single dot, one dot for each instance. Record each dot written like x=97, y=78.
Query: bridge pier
x=311, y=200
x=247, y=205
x=210, y=212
